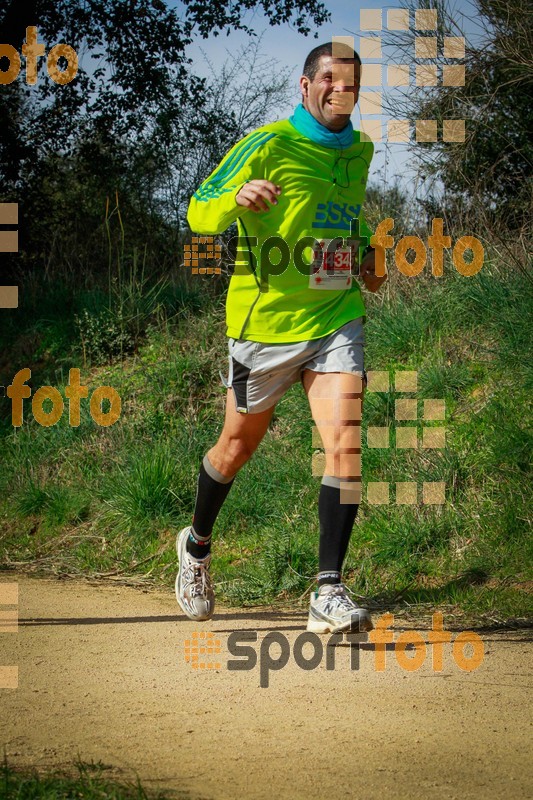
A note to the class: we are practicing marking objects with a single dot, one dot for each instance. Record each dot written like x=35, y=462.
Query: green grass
x=56, y=505
x=91, y=500
x=85, y=780
x=146, y=490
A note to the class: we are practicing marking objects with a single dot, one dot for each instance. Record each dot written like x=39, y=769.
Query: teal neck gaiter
x=306, y=124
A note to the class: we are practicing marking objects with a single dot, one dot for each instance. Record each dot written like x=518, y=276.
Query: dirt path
x=102, y=674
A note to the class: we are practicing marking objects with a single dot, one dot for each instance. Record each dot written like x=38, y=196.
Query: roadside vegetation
x=104, y=289
x=108, y=502
x=85, y=780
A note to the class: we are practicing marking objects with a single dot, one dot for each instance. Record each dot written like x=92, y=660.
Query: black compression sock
x=212, y=490
x=328, y=577
x=198, y=546
x=336, y=523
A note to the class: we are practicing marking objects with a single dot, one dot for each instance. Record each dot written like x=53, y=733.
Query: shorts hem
x=265, y=338
x=360, y=372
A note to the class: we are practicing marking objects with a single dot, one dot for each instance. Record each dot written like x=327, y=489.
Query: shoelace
x=197, y=576
x=339, y=592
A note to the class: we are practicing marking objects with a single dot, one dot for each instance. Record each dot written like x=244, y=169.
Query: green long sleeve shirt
x=323, y=189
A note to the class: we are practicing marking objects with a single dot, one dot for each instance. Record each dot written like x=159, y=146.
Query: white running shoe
x=331, y=610
x=194, y=591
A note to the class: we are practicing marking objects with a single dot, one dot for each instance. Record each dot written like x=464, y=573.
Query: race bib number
x=332, y=265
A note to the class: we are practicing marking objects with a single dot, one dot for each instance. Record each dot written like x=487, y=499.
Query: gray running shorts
x=260, y=374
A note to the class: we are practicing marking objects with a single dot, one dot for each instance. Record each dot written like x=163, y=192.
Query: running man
x=302, y=180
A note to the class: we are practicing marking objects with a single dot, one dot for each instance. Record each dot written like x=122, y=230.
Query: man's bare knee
x=230, y=454
x=240, y=438
x=239, y=449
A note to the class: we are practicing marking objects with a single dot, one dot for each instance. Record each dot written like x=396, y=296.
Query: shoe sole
x=177, y=587
x=356, y=637
x=321, y=626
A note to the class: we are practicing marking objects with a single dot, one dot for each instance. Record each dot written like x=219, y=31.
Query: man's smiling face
x=321, y=95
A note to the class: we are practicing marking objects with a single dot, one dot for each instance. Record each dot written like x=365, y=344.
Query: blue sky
x=289, y=48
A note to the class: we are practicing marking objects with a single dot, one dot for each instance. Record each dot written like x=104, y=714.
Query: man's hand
x=367, y=272
x=254, y=194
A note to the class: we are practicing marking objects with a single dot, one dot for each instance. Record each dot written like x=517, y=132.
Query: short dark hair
x=313, y=59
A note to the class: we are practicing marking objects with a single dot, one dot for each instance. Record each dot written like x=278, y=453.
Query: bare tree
x=483, y=183
x=247, y=91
